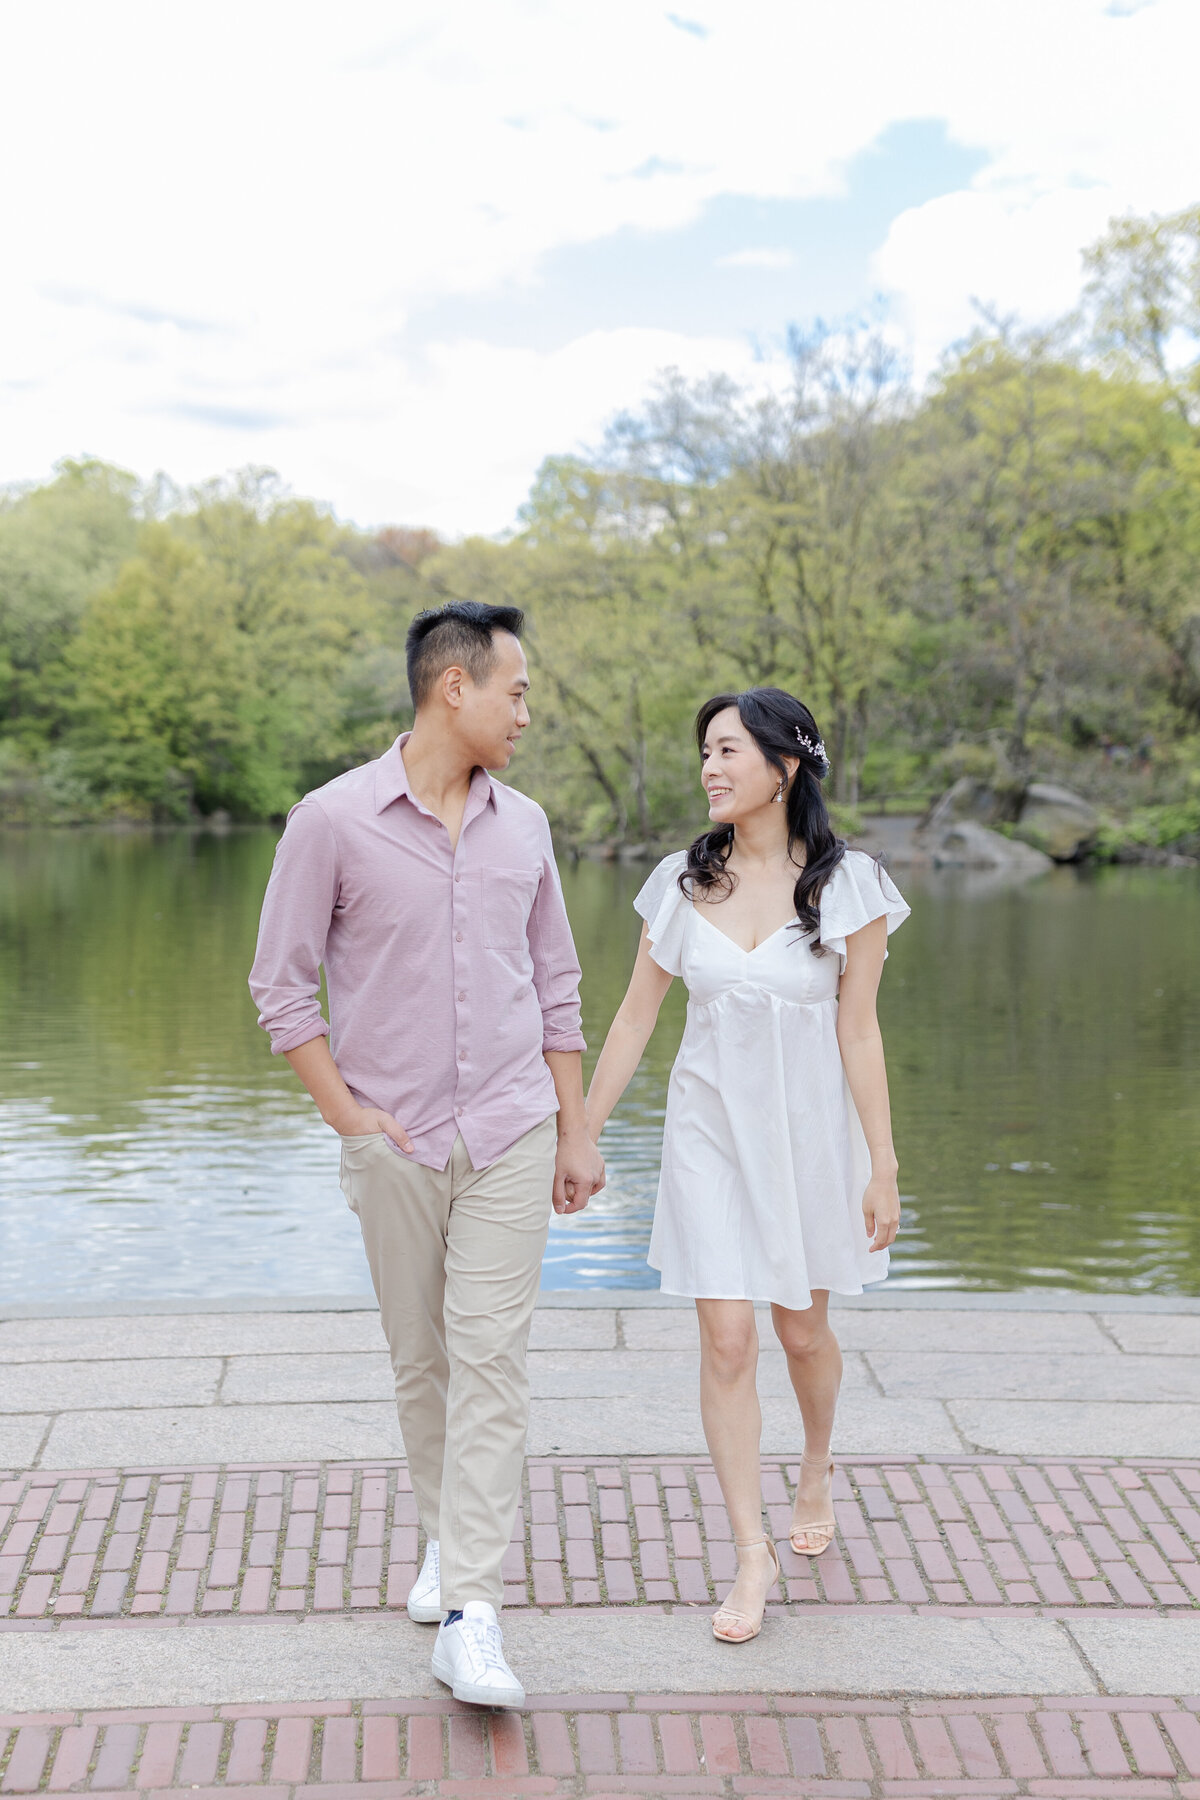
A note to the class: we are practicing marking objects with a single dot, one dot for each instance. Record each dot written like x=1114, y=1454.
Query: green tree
x=1142, y=306
x=778, y=521
x=612, y=687
x=305, y=609
x=161, y=683
x=212, y=672
x=1142, y=301
x=1024, y=478
x=59, y=544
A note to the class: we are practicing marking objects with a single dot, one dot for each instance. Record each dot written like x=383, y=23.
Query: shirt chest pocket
x=508, y=897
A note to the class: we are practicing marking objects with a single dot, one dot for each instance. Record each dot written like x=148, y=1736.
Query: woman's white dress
x=764, y=1162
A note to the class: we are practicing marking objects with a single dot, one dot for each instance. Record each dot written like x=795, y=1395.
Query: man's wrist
x=341, y=1116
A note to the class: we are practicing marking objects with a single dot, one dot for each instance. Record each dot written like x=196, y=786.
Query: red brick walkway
x=955, y=1534
x=607, y=1744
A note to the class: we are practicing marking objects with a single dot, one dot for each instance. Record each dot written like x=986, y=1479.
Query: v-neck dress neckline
x=753, y=951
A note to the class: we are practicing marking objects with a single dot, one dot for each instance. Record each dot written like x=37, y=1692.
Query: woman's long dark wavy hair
x=777, y=722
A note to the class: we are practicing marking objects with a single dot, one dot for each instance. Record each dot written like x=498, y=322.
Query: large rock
x=1061, y=824
x=963, y=844
x=968, y=798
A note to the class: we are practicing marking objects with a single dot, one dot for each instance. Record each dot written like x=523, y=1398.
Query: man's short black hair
x=458, y=635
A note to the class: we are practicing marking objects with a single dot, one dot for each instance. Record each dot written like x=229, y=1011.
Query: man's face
x=493, y=715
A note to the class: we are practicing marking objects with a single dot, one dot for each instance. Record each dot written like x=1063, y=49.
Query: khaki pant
x=455, y=1259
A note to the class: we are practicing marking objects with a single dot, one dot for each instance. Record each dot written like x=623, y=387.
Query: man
x=429, y=892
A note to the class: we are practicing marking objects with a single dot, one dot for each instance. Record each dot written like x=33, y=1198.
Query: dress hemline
x=766, y=1300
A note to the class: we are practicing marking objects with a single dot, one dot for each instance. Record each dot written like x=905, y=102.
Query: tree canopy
x=999, y=573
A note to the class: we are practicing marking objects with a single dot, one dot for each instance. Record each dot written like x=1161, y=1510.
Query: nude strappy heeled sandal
x=731, y=1612
x=821, y=1529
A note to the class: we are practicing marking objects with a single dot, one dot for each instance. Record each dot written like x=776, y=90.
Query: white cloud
x=218, y=222
x=946, y=260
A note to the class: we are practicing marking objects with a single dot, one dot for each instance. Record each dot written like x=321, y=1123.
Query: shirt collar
x=391, y=782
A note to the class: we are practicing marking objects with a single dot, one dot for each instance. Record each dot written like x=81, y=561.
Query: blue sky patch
x=745, y=268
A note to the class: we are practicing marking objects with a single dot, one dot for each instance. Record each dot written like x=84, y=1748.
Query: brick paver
x=959, y=1534
x=727, y=1745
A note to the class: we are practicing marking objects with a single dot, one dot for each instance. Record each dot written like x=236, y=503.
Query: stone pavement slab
x=981, y=1329
x=290, y=1379
x=1078, y=1428
x=570, y=1372
x=662, y=1374
x=1048, y=1375
x=1126, y=1661
x=154, y=1335
x=199, y=1434
x=119, y=1381
x=1154, y=1333
x=649, y=1425
x=988, y=1373
x=647, y=1422
x=21, y=1437
x=639, y=1651
x=299, y=1333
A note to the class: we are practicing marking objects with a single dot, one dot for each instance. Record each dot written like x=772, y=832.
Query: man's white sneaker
x=425, y=1595
x=469, y=1658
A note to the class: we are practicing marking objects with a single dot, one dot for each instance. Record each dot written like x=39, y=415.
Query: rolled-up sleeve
x=555, y=965
x=297, y=909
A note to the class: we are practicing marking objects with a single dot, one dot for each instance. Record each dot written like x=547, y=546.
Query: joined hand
x=578, y=1171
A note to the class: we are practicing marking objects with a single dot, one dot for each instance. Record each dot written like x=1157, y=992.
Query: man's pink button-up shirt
x=449, y=971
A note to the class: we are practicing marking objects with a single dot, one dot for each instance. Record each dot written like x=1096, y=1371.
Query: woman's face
x=736, y=775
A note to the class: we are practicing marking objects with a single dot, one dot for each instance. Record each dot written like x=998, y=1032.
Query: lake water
x=1043, y=1046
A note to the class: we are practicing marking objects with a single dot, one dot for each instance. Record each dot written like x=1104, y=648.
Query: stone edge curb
x=621, y=1300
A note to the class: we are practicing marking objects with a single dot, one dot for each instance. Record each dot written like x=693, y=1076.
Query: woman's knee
x=729, y=1345
x=803, y=1334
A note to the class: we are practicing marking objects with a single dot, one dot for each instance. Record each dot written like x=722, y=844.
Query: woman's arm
x=861, y=1045
x=627, y=1037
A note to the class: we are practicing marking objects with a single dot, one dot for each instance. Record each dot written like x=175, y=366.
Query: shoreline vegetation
x=988, y=590
x=902, y=839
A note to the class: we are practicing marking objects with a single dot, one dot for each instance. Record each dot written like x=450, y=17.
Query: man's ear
x=453, y=680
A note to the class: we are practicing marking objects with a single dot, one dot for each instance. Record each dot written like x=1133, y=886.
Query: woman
x=778, y=1173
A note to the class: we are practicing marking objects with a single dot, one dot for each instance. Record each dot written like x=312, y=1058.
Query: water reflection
x=1044, y=1046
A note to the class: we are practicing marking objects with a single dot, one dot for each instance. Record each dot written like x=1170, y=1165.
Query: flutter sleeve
x=662, y=904
x=858, y=891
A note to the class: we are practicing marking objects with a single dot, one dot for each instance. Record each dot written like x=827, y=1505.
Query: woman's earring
x=781, y=790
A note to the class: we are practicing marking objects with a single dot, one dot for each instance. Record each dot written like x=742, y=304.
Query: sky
x=400, y=253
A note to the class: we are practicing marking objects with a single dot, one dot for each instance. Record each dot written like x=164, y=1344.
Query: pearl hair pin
x=817, y=749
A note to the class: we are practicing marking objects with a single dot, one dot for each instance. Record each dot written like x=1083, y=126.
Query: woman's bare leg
x=733, y=1430
x=814, y=1363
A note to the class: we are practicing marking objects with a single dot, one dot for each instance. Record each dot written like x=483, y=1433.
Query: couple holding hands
x=453, y=1078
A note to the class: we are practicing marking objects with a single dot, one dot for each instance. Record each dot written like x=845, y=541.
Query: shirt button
x=463, y=995
x=462, y=1056
x=458, y=937
x=458, y=1112
x=458, y=878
